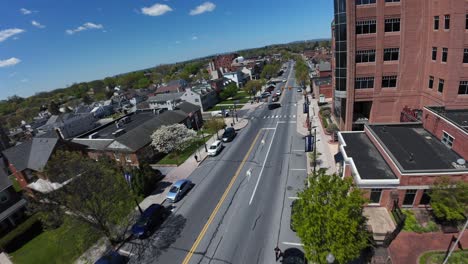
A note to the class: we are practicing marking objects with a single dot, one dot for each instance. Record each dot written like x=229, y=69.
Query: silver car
x=178, y=190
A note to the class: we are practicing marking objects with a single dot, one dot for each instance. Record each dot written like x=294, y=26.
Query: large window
x=436, y=22
x=447, y=139
x=425, y=198
x=391, y=54
x=364, y=83
x=392, y=24
x=465, y=55
x=431, y=82
x=441, y=86
x=463, y=88
x=434, y=53
x=447, y=22
x=409, y=197
x=375, y=196
x=444, y=54
x=365, y=56
x=365, y=27
x=365, y=2
x=466, y=21
x=389, y=81
x=392, y=1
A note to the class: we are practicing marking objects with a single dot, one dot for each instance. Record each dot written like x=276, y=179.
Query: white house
x=165, y=101
x=237, y=77
x=202, y=95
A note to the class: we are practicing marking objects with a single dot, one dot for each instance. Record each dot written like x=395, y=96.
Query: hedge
x=16, y=238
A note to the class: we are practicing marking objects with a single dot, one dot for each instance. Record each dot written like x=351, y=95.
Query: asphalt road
x=238, y=210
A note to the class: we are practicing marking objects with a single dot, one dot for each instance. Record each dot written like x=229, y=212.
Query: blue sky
x=49, y=44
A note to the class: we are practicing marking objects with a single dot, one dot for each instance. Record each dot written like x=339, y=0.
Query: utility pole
x=315, y=150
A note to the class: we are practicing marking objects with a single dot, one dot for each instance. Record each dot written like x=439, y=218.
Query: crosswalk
x=279, y=116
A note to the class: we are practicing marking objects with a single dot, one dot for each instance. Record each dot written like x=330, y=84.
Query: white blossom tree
x=171, y=138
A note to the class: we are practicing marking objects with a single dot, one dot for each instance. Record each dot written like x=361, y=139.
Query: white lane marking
x=129, y=254
x=293, y=198
x=293, y=244
x=298, y=169
x=298, y=150
x=292, y=122
x=276, y=116
x=263, y=166
x=269, y=128
x=264, y=117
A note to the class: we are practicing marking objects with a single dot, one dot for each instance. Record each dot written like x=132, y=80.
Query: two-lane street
x=238, y=210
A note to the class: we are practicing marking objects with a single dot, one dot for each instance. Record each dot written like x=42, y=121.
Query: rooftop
x=369, y=162
x=459, y=117
x=413, y=148
x=165, y=97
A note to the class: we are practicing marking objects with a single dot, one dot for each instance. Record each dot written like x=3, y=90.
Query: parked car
x=284, y=81
x=215, y=148
x=265, y=95
x=229, y=134
x=278, y=92
x=152, y=217
x=275, y=98
x=112, y=258
x=220, y=113
x=178, y=190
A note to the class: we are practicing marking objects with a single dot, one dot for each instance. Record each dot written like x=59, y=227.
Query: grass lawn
x=437, y=257
x=226, y=107
x=242, y=93
x=61, y=245
x=177, y=159
x=241, y=99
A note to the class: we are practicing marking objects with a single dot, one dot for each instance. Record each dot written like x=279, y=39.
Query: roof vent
x=411, y=157
x=460, y=164
x=461, y=161
x=118, y=132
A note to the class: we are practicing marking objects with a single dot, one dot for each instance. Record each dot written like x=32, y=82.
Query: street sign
x=309, y=143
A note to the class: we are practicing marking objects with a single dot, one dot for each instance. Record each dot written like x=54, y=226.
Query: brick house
x=322, y=86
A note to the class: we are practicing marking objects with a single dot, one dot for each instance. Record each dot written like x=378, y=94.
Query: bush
x=412, y=225
x=21, y=234
x=332, y=128
x=326, y=113
x=324, y=122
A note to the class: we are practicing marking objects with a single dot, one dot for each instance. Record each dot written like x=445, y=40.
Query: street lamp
x=330, y=258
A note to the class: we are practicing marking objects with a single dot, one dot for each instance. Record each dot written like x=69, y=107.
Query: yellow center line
x=215, y=211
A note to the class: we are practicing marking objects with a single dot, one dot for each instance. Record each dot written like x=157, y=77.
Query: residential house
x=202, y=95
x=165, y=101
x=236, y=76
x=69, y=124
x=26, y=161
x=127, y=140
x=323, y=69
x=12, y=205
x=175, y=86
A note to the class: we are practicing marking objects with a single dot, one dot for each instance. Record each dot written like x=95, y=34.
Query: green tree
x=144, y=179
x=214, y=125
x=302, y=72
x=229, y=91
x=253, y=86
x=54, y=108
x=449, y=199
x=110, y=82
x=93, y=192
x=142, y=83
x=270, y=70
x=328, y=219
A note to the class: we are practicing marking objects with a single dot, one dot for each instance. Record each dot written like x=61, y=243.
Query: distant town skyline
x=50, y=45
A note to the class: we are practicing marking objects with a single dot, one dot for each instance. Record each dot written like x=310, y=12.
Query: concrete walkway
x=327, y=149
x=408, y=246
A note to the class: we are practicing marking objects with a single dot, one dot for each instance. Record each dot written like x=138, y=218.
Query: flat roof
x=369, y=162
x=414, y=148
x=459, y=117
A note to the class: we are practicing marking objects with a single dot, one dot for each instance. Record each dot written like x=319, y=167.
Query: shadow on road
x=149, y=249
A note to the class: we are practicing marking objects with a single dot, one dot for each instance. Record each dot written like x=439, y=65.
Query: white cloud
x=9, y=62
x=85, y=26
x=178, y=42
x=5, y=34
x=37, y=24
x=156, y=10
x=205, y=7
x=25, y=11
x=194, y=38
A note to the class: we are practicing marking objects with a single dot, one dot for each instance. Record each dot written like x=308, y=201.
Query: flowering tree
x=171, y=138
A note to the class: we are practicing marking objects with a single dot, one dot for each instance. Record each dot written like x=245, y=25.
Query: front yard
x=61, y=245
x=177, y=158
x=437, y=257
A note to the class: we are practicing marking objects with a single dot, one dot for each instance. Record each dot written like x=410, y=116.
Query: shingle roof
x=324, y=66
x=165, y=97
x=4, y=180
x=188, y=107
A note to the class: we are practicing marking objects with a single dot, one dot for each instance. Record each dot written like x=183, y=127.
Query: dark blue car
x=152, y=217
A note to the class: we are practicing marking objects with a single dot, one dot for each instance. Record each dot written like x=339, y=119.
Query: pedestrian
x=278, y=253
x=196, y=158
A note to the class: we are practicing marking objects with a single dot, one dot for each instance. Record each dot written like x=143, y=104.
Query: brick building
x=392, y=54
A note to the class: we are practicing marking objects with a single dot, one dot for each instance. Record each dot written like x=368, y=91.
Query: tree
x=54, y=108
x=229, y=91
x=110, y=82
x=144, y=179
x=93, y=192
x=449, y=199
x=142, y=83
x=270, y=70
x=215, y=125
x=171, y=138
x=254, y=86
x=328, y=219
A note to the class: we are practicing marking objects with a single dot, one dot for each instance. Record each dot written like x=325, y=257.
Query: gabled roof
x=4, y=180
x=32, y=154
x=165, y=97
x=187, y=107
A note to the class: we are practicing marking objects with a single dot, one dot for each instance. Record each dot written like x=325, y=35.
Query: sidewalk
x=408, y=246
x=327, y=149
x=159, y=195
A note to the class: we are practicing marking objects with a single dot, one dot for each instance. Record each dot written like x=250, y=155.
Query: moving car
x=178, y=190
x=229, y=134
x=272, y=106
x=153, y=216
x=299, y=90
x=284, y=81
x=215, y=148
x=220, y=113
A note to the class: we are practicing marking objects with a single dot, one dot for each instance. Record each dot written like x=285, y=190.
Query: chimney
x=59, y=133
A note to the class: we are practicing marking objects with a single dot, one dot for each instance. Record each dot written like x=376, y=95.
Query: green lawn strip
x=179, y=158
x=237, y=99
x=61, y=245
x=437, y=257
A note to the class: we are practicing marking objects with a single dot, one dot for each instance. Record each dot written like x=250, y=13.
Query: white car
x=278, y=92
x=284, y=81
x=215, y=148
